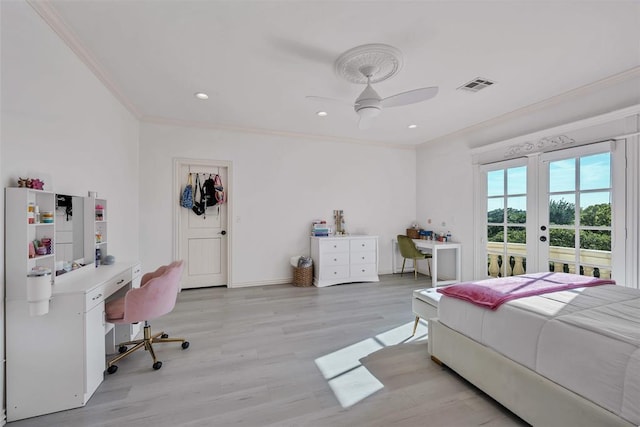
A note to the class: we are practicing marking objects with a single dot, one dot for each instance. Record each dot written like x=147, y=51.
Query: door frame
x=178, y=163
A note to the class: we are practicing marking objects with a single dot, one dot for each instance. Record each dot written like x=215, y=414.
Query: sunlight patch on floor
x=350, y=381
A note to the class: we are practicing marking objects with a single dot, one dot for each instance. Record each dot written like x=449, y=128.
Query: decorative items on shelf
x=46, y=217
x=31, y=214
x=416, y=232
x=33, y=183
x=319, y=228
x=338, y=216
x=44, y=246
x=99, y=213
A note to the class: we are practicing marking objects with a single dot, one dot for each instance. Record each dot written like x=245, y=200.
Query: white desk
x=434, y=247
x=56, y=361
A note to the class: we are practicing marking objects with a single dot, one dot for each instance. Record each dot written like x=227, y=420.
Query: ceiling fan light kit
x=372, y=63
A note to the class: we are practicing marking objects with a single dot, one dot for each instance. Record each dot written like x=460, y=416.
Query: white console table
x=56, y=361
x=434, y=247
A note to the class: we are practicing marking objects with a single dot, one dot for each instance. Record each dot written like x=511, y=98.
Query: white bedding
x=585, y=339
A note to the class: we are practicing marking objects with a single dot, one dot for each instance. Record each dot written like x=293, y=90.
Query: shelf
x=37, y=257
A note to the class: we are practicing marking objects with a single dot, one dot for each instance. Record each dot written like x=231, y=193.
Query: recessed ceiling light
x=201, y=95
x=412, y=126
x=322, y=113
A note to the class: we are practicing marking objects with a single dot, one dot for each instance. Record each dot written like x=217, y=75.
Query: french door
x=554, y=211
x=575, y=229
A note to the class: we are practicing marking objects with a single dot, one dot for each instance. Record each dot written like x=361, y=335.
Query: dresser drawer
x=336, y=258
x=363, y=258
x=364, y=270
x=334, y=272
x=334, y=245
x=363, y=245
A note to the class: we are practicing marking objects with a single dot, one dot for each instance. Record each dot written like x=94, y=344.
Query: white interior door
x=203, y=238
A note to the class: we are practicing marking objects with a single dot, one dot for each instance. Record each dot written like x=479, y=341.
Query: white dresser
x=344, y=259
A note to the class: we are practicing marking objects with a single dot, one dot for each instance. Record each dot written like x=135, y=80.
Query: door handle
x=223, y=232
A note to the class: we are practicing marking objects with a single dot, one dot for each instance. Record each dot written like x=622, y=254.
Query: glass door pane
x=506, y=221
x=578, y=215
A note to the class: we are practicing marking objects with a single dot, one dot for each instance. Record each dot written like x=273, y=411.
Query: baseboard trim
x=286, y=281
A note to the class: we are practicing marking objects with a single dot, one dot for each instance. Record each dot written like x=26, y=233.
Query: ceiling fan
x=370, y=64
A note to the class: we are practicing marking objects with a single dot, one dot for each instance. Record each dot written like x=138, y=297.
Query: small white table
x=434, y=247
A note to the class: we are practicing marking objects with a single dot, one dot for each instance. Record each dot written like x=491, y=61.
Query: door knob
x=223, y=232
x=543, y=238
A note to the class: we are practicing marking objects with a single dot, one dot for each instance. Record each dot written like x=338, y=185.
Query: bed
x=562, y=358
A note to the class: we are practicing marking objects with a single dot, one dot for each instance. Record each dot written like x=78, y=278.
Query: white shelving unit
x=19, y=233
x=55, y=361
x=97, y=236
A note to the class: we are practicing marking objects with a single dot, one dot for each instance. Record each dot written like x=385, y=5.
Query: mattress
x=585, y=339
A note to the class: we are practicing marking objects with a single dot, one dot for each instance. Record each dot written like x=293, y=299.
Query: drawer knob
x=363, y=270
x=335, y=259
x=362, y=257
x=363, y=245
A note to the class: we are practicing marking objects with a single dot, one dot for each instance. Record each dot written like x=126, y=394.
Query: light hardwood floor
x=288, y=356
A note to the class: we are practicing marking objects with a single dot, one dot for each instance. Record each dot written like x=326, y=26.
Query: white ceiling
x=258, y=60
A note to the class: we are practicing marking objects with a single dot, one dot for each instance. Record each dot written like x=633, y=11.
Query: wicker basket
x=303, y=276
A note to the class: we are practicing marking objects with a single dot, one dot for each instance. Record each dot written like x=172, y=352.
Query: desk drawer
x=363, y=245
x=117, y=282
x=94, y=297
x=136, y=271
x=334, y=245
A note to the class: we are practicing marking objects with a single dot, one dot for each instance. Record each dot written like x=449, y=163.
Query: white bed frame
x=527, y=394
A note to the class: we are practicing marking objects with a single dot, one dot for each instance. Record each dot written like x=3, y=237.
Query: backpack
x=219, y=189
x=209, y=191
x=200, y=207
x=186, y=199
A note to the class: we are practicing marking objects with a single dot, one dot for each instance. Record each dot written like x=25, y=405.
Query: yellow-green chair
x=408, y=250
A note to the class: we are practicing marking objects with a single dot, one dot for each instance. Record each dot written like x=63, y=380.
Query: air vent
x=477, y=84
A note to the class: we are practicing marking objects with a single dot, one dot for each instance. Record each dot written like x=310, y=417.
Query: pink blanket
x=491, y=293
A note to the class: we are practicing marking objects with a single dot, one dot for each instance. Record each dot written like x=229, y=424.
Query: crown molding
x=524, y=111
x=48, y=13
x=268, y=132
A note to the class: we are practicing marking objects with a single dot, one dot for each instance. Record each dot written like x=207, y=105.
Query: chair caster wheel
x=122, y=349
x=164, y=336
x=112, y=369
x=185, y=345
x=157, y=365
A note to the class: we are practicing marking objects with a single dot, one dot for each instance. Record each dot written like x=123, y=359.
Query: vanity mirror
x=69, y=234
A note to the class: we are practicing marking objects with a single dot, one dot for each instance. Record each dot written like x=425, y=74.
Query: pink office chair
x=155, y=297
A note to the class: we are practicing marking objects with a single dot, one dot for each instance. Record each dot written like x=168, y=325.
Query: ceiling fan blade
x=410, y=97
x=333, y=100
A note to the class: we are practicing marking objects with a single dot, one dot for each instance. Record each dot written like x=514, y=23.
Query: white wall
x=447, y=162
x=280, y=184
x=61, y=124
